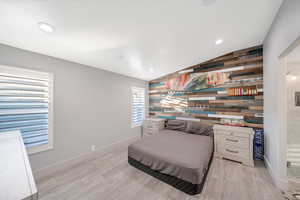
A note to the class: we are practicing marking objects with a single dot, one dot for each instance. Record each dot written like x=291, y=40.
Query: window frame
x=50, y=77
x=133, y=125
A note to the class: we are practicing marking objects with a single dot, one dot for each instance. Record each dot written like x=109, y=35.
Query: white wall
x=91, y=106
x=284, y=30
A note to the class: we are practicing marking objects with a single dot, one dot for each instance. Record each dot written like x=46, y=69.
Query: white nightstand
x=234, y=143
x=152, y=126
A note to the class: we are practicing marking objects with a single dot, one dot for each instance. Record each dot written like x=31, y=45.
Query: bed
x=179, y=155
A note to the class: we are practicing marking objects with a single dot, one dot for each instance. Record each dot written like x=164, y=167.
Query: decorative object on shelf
x=152, y=126
x=217, y=78
x=234, y=143
x=232, y=122
x=242, y=91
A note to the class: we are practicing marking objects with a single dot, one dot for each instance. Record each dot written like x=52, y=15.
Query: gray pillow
x=178, y=125
x=199, y=128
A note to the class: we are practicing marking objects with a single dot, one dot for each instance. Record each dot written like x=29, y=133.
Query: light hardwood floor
x=106, y=175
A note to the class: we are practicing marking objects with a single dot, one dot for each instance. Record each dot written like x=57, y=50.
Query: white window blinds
x=25, y=104
x=138, y=106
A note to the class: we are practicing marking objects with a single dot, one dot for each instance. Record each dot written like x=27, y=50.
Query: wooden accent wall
x=225, y=90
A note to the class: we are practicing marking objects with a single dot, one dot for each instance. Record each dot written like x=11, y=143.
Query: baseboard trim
x=50, y=169
x=279, y=182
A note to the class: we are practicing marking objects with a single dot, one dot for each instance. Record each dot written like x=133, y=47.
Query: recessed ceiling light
x=46, y=27
x=293, y=78
x=219, y=41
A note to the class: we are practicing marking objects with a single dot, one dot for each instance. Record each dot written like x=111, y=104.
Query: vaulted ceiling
x=138, y=38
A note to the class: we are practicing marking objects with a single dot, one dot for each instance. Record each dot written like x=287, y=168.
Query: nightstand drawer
x=240, y=142
x=148, y=132
x=232, y=133
x=235, y=153
x=153, y=126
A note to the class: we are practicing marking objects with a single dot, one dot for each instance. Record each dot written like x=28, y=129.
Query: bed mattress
x=183, y=156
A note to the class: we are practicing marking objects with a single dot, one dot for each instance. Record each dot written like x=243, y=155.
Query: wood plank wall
x=225, y=90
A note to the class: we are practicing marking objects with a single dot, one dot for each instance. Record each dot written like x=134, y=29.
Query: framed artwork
x=297, y=99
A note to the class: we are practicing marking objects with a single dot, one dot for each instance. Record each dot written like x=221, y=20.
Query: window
x=138, y=106
x=26, y=105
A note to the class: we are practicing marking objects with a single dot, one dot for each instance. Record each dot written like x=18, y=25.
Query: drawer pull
x=232, y=151
x=232, y=140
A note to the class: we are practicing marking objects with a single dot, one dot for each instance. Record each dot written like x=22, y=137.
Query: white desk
x=16, y=179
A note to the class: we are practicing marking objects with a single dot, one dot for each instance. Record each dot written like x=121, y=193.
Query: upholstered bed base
x=182, y=185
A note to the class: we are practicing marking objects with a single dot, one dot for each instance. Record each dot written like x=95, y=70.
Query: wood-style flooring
x=106, y=175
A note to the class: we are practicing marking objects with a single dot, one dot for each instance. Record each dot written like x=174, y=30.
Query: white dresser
x=234, y=143
x=16, y=178
x=152, y=126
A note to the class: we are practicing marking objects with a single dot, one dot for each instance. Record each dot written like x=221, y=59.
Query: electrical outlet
x=93, y=147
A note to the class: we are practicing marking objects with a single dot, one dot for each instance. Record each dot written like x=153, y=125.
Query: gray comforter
x=185, y=156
